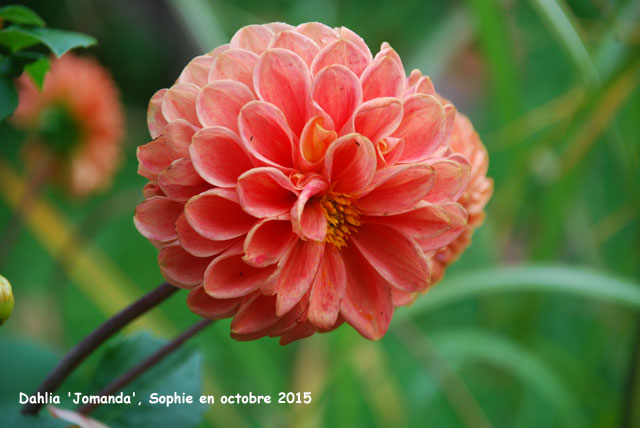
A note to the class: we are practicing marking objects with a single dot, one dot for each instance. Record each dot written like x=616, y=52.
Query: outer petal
x=343, y=52
x=397, y=189
x=367, y=304
x=179, y=102
x=297, y=271
x=451, y=179
x=155, y=119
x=220, y=102
x=234, y=64
x=206, y=306
x=378, y=118
x=319, y=33
x=216, y=215
x=218, y=156
x=155, y=218
x=196, y=244
x=307, y=217
x=350, y=163
x=282, y=78
x=228, y=275
x=267, y=242
x=254, y=38
x=266, y=135
x=347, y=34
x=277, y=27
x=423, y=127
x=457, y=221
x=266, y=192
x=395, y=256
x=383, y=78
x=153, y=158
x=338, y=92
x=180, y=181
x=181, y=268
x=427, y=221
x=328, y=289
x=197, y=71
x=254, y=315
x=296, y=42
x=299, y=331
x=178, y=134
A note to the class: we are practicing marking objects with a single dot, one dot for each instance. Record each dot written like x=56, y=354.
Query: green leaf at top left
x=59, y=41
x=8, y=97
x=20, y=15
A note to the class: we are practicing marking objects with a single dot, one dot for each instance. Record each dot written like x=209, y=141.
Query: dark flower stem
x=146, y=364
x=89, y=344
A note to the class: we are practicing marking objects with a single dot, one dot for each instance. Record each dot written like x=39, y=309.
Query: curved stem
x=89, y=344
x=146, y=364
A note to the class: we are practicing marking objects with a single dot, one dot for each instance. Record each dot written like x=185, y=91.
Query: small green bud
x=6, y=300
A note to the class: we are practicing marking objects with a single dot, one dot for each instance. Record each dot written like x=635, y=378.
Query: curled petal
x=196, y=244
x=397, y=189
x=266, y=192
x=228, y=276
x=178, y=134
x=153, y=158
x=216, y=215
x=343, y=52
x=179, y=102
x=350, y=163
x=255, y=315
x=254, y=38
x=155, y=120
x=383, y=78
x=206, y=306
x=314, y=141
x=394, y=255
x=220, y=102
x=297, y=272
x=451, y=177
x=267, y=242
x=150, y=190
x=338, y=92
x=197, y=71
x=218, y=156
x=296, y=42
x=307, y=217
x=282, y=78
x=328, y=289
x=265, y=134
x=319, y=33
x=378, y=118
x=155, y=218
x=423, y=127
x=457, y=221
x=234, y=64
x=180, y=181
x=181, y=268
x=367, y=304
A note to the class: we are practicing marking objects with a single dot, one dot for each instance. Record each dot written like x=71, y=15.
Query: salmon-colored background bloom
x=74, y=124
x=297, y=181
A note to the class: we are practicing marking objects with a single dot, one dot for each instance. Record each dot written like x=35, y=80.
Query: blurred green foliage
x=551, y=86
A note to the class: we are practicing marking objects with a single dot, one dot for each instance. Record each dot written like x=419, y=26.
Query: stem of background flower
x=148, y=363
x=11, y=231
x=90, y=343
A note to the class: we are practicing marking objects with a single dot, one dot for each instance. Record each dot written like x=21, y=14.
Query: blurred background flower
x=535, y=325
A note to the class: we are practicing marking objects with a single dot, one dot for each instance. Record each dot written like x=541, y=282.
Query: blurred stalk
x=148, y=363
x=200, y=20
x=90, y=343
x=453, y=387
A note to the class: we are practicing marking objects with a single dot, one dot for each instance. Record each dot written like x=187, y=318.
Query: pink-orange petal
x=196, y=244
x=378, y=118
x=426, y=221
x=307, y=216
x=338, y=92
x=217, y=215
x=254, y=316
x=254, y=38
x=197, y=71
x=343, y=52
x=382, y=78
x=266, y=192
x=296, y=42
x=318, y=32
x=179, y=102
x=451, y=177
x=180, y=181
x=200, y=303
x=234, y=64
x=457, y=221
x=297, y=272
x=153, y=158
x=218, y=156
x=350, y=163
x=328, y=289
x=267, y=242
x=181, y=268
x=155, y=218
x=178, y=134
x=155, y=119
x=220, y=102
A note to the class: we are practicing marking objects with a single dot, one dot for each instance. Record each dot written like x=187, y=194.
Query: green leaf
x=8, y=97
x=15, y=39
x=37, y=70
x=59, y=41
x=21, y=15
x=180, y=372
x=468, y=346
x=572, y=281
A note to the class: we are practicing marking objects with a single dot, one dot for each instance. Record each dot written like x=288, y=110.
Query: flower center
x=342, y=218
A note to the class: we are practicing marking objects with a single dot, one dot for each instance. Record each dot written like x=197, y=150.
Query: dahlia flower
x=296, y=181
x=75, y=124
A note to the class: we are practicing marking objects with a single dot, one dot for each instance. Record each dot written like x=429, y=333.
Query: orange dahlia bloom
x=296, y=182
x=75, y=124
